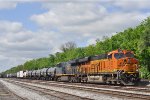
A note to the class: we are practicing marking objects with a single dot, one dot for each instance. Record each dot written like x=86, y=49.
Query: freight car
x=38, y=74
x=33, y=74
x=20, y=74
x=43, y=73
x=116, y=67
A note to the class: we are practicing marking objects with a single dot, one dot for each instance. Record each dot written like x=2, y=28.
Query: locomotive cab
x=123, y=60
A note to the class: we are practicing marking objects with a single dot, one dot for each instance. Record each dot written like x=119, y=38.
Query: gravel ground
x=148, y=84
x=92, y=95
x=5, y=94
x=81, y=93
x=29, y=95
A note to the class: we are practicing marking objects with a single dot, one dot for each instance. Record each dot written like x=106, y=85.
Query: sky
x=31, y=29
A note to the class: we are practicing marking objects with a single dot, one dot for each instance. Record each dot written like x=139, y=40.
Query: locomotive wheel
x=115, y=82
x=73, y=79
x=109, y=82
x=70, y=79
x=79, y=80
x=58, y=79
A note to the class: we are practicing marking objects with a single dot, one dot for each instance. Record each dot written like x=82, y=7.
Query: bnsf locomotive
x=116, y=67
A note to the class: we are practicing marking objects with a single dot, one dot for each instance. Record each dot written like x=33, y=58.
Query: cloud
x=89, y=21
x=5, y=4
x=70, y=14
x=7, y=26
x=132, y=4
x=7, y=61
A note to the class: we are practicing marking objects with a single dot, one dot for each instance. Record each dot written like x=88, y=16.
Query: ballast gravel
x=34, y=96
x=29, y=95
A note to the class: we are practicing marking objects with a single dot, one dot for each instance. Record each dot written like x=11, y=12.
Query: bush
x=144, y=73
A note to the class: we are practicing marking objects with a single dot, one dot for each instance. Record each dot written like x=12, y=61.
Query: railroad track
x=53, y=93
x=6, y=94
x=129, y=88
x=123, y=92
x=118, y=91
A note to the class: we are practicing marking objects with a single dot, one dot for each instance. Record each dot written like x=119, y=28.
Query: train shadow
x=144, y=83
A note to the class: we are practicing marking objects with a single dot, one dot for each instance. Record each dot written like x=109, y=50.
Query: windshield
x=122, y=55
x=129, y=54
x=119, y=55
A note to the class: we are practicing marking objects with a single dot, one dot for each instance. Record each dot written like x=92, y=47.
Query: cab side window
x=109, y=56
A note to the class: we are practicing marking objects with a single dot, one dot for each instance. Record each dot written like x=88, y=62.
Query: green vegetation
x=136, y=39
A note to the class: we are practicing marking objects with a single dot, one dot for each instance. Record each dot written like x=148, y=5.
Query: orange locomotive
x=118, y=66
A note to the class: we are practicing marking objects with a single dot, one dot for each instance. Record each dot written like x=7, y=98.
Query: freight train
x=116, y=67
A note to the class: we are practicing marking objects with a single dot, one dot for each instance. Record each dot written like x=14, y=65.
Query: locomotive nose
x=129, y=60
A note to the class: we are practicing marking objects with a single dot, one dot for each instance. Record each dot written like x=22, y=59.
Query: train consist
x=115, y=67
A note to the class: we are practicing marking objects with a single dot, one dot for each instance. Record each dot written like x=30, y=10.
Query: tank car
x=38, y=74
x=50, y=73
x=29, y=74
x=33, y=74
x=43, y=73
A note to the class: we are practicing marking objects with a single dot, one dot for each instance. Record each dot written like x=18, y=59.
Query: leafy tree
x=144, y=48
